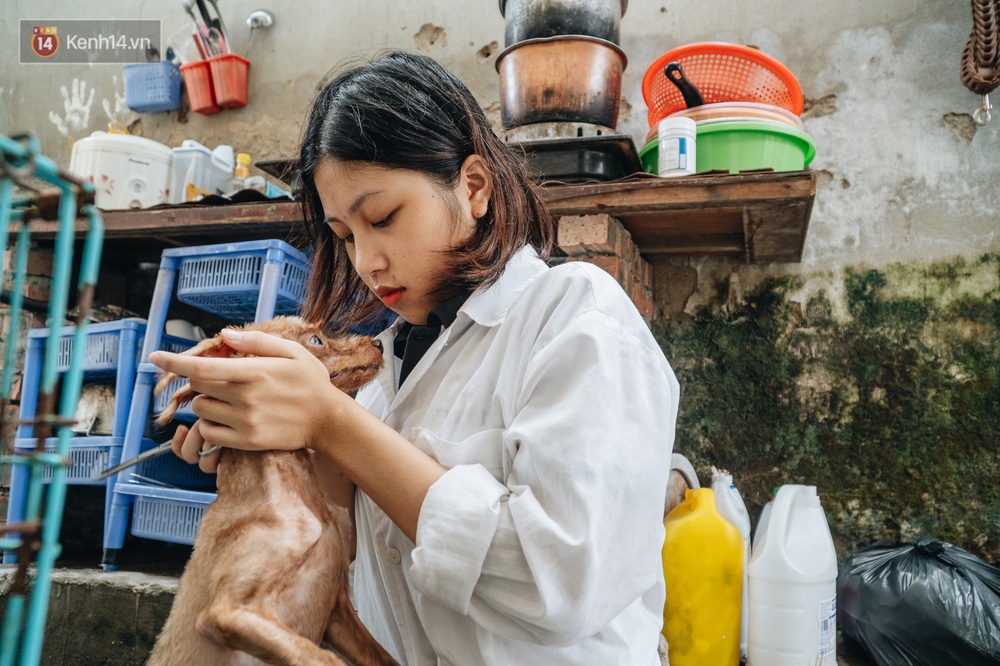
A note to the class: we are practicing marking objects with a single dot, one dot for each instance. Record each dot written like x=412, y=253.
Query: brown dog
x=267, y=578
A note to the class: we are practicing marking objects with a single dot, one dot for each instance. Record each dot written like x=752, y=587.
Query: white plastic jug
x=730, y=504
x=205, y=171
x=793, y=585
x=765, y=516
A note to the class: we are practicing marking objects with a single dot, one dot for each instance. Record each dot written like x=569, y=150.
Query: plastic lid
x=678, y=123
x=243, y=158
x=190, y=145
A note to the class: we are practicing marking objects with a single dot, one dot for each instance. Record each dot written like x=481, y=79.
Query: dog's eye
x=316, y=340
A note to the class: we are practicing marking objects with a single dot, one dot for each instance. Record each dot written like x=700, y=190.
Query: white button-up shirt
x=553, y=408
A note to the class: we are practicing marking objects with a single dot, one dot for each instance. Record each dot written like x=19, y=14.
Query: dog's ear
x=181, y=397
x=212, y=347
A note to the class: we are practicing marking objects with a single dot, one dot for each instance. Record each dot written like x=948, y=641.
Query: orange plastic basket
x=722, y=72
x=198, y=81
x=229, y=76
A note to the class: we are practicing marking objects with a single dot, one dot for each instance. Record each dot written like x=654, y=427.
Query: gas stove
x=574, y=152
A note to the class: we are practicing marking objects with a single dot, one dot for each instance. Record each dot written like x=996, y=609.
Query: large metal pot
x=570, y=78
x=535, y=19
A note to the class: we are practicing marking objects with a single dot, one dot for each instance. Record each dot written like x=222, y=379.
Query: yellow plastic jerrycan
x=703, y=568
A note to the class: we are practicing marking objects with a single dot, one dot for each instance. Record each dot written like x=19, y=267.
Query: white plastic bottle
x=242, y=180
x=730, y=504
x=676, y=154
x=793, y=585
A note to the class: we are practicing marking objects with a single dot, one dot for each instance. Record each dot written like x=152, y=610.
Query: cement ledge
x=100, y=617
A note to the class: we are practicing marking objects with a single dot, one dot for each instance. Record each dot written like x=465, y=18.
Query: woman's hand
x=189, y=445
x=282, y=398
x=272, y=400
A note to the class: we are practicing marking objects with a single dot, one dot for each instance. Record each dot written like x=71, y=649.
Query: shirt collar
x=488, y=307
x=438, y=319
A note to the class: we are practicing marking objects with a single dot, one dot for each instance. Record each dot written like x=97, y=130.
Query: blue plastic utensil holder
x=151, y=87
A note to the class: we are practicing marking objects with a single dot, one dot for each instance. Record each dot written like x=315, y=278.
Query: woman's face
x=395, y=223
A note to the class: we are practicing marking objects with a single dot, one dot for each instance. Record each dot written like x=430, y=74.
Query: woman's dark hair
x=406, y=111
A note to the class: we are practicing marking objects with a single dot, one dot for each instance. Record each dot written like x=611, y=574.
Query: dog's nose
x=377, y=344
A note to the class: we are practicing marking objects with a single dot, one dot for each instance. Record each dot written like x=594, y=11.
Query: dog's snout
x=377, y=344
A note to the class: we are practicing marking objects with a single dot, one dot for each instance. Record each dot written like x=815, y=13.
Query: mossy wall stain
x=892, y=411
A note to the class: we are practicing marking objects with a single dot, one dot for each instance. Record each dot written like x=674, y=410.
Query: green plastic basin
x=743, y=145
x=650, y=156
x=746, y=145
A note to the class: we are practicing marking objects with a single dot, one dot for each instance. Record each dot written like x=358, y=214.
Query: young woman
x=511, y=460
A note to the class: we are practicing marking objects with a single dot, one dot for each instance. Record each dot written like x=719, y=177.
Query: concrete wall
x=869, y=369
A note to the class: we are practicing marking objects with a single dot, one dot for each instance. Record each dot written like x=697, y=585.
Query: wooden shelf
x=761, y=217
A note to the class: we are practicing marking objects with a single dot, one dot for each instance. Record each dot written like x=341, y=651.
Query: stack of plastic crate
x=241, y=282
x=110, y=358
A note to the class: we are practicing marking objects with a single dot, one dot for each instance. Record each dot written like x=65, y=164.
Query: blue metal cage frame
x=36, y=537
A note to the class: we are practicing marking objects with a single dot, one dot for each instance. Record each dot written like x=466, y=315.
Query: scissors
x=146, y=455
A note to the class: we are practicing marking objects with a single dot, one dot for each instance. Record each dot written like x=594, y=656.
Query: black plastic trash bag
x=923, y=604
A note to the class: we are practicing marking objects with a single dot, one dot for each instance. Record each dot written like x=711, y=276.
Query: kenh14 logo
x=44, y=40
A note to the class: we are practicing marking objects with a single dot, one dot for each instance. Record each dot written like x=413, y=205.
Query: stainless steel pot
x=569, y=78
x=535, y=19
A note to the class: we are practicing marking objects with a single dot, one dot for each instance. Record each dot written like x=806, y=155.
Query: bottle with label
x=676, y=154
x=703, y=570
x=242, y=180
x=793, y=584
x=732, y=507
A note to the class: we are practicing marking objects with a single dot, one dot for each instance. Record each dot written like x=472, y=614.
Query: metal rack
x=35, y=538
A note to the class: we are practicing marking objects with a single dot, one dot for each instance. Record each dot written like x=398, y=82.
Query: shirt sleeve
x=574, y=535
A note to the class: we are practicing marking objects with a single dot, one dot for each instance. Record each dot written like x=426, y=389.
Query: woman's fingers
x=223, y=369
x=215, y=369
x=266, y=400
x=177, y=442
x=190, y=443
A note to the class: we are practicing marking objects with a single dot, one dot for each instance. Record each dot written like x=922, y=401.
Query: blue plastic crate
x=170, y=470
x=88, y=457
x=103, y=345
x=226, y=279
x=111, y=352
x=151, y=87
x=172, y=516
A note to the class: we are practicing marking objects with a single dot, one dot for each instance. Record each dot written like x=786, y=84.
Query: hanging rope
x=981, y=56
